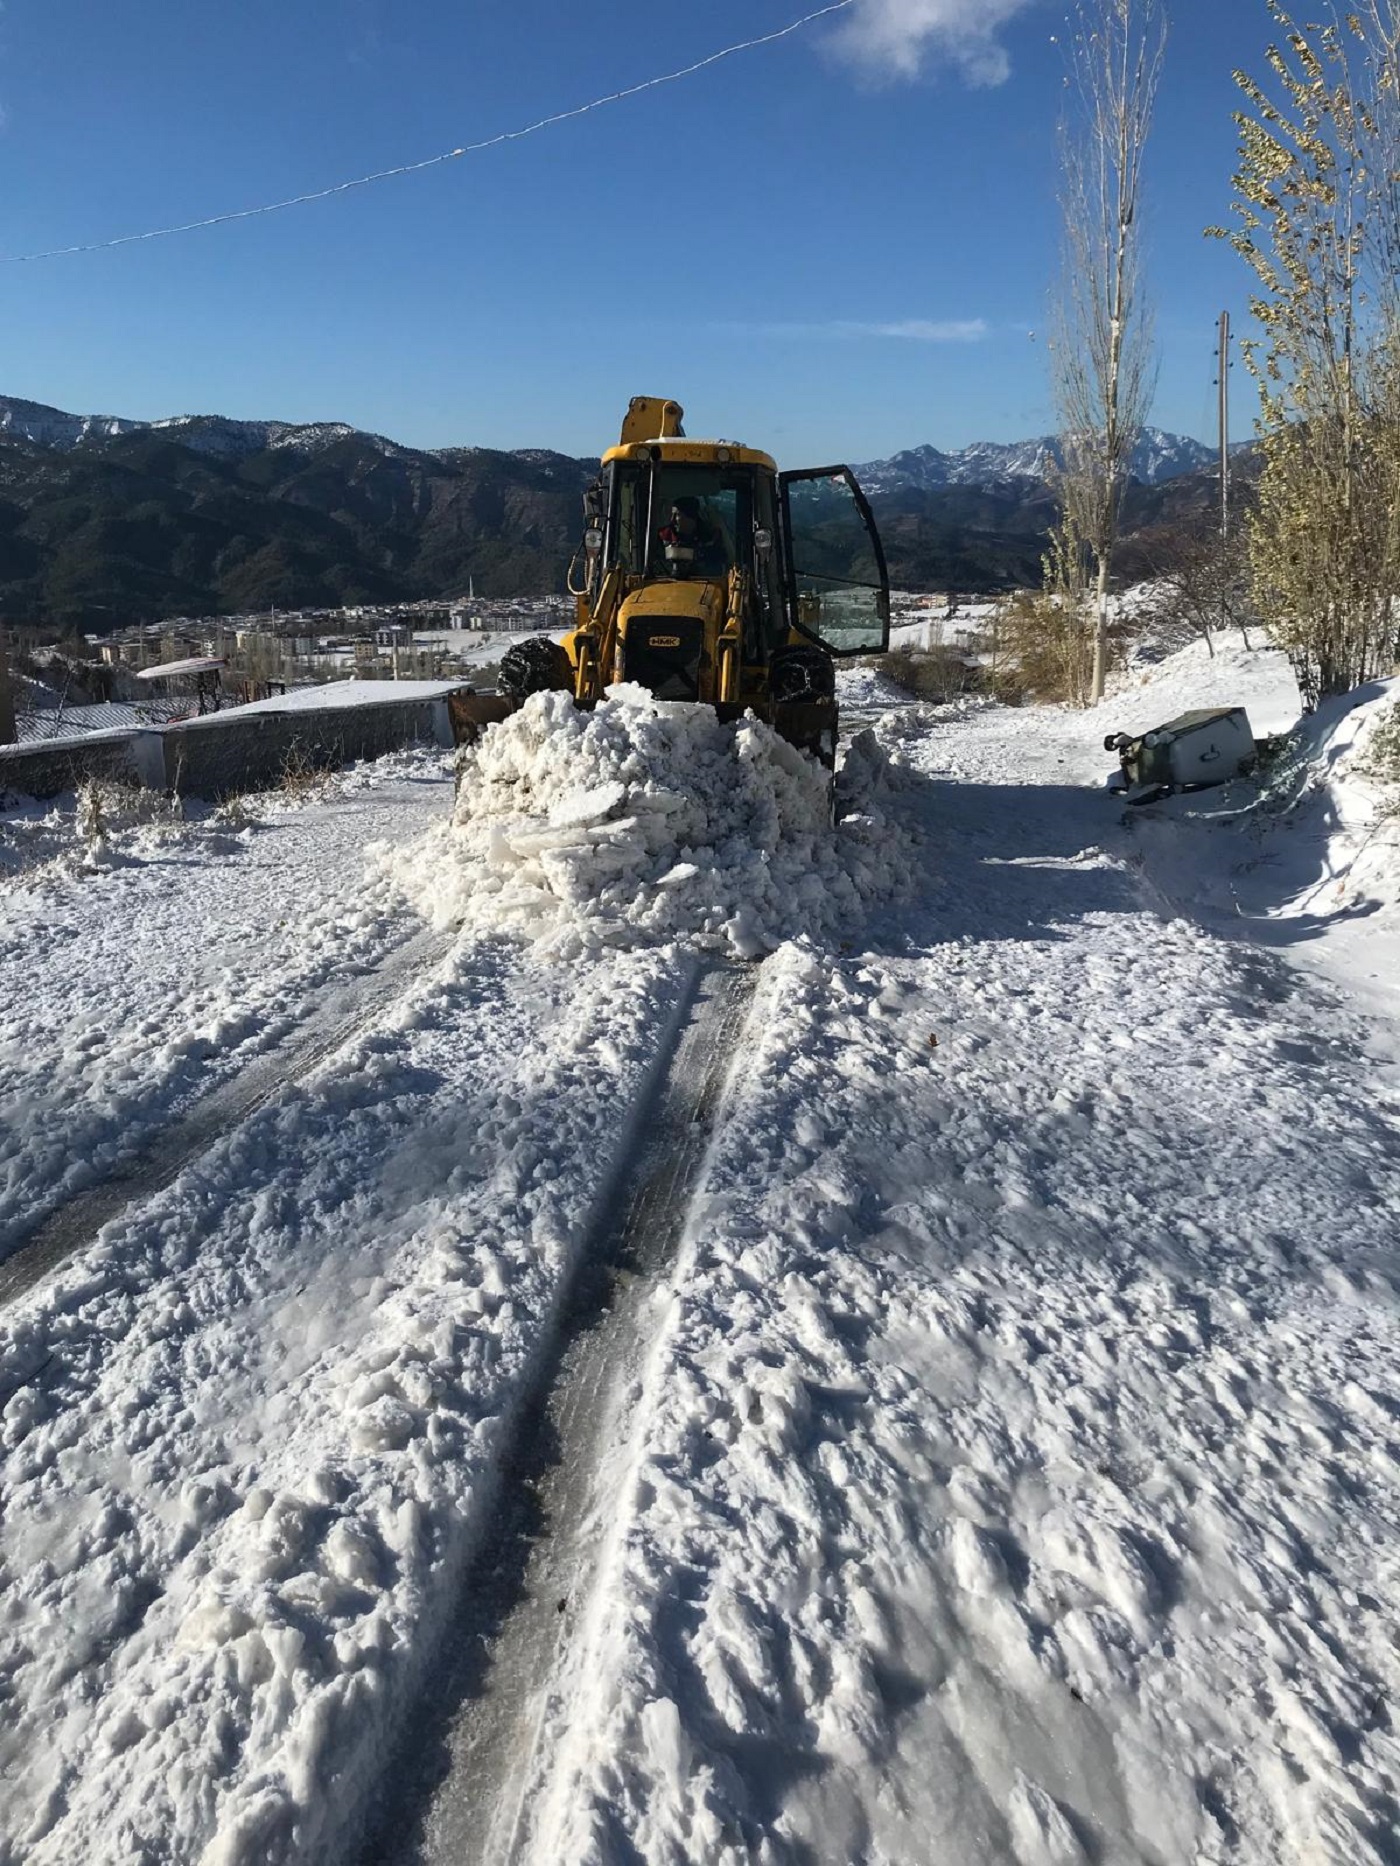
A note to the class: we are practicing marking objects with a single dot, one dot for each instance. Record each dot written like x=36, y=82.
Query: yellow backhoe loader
x=706, y=575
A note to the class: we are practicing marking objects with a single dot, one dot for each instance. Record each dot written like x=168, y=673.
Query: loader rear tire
x=538, y=665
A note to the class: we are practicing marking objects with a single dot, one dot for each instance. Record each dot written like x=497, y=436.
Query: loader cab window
x=697, y=515
x=731, y=507
x=627, y=539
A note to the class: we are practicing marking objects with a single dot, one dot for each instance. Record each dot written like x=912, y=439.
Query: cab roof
x=692, y=453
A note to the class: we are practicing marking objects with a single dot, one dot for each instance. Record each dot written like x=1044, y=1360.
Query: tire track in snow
x=464, y=1800
x=341, y=1016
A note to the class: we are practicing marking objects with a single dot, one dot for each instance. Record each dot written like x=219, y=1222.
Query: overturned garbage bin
x=1207, y=747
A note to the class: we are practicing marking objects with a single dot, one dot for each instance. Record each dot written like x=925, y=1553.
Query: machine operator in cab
x=693, y=545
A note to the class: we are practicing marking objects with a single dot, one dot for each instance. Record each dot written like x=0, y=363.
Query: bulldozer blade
x=810, y=725
x=471, y=713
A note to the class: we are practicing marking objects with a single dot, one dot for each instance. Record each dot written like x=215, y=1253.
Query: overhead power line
x=437, y=161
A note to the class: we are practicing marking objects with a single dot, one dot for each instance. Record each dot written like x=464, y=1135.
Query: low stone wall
x=218, y=756
x=52, y=766
x=223, y=754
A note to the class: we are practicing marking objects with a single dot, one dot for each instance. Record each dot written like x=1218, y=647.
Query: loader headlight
x=593, y=539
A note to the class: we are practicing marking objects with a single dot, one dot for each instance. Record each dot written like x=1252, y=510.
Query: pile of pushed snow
x=648, y=821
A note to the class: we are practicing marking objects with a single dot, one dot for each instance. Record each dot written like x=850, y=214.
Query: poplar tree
x=1101, y=356
x=1317, y=221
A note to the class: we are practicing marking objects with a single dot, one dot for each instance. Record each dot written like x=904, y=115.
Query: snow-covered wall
x=57, y=765
x=223, y=753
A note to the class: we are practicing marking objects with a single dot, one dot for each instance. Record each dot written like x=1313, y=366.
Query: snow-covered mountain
x=1158, y=456
x=51, y=427
x=225, y=439
x=216, y=435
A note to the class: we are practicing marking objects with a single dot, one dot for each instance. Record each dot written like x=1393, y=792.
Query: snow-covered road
x=1013, y=1469
x=1020, y=1477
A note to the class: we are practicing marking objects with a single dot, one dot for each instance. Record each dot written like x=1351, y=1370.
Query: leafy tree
x=1317, y=211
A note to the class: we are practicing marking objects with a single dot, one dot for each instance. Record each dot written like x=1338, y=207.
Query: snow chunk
x=648, y=821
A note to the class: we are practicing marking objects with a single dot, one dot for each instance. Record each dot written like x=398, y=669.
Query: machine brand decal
x=663, y=641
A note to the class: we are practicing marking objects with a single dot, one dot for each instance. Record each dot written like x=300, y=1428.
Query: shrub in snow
x=647, y=821
x=108, y=813
x=1043, y=648
x=103, y=825
x=93, y=808
x=940, y=674
x=1380, y=762
x=304, y=775
x=234, y=814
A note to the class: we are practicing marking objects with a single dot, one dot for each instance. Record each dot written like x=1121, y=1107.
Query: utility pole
x=1224, y=362
x=8, y=730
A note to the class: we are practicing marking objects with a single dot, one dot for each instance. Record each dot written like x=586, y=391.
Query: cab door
x=838, y=588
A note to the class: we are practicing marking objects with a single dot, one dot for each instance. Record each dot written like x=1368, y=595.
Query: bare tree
x=1102, y=359
x=1199, y=580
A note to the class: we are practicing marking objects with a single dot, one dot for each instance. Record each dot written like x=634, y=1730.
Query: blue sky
x=788, y=242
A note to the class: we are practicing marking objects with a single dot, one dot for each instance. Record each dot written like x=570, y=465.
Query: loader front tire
x=801, y=674
x=538, y=665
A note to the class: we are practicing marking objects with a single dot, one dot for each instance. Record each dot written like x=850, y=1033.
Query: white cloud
x=896, y=37
x=921, y=330
x=910, y=330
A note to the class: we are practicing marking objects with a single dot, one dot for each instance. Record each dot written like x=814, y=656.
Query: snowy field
x=1009, y=1469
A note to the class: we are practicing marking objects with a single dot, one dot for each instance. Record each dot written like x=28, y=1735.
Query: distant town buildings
x=427, y=640
x=261, y=655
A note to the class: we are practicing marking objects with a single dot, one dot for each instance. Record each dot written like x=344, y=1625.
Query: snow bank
x=106, y=824
x=1355, y=902
x=1350, y=748
x=146, y=959
x=648, y=821
x=1304, y=854
x=98, y=827
x=1155, y=687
